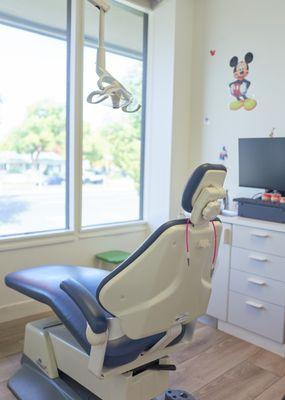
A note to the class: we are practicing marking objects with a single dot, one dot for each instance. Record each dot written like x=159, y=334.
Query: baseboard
x=209, y=320
x=257, y=340
x=21, y=309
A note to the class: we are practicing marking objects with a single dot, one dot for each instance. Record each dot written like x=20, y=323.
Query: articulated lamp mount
x=108, y=87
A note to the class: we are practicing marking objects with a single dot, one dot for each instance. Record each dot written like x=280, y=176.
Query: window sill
x=59, y=237
x=114, y=229
x=35, y=240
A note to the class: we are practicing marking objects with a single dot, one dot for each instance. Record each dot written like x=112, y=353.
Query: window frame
x=75, y=38
x=64, y=35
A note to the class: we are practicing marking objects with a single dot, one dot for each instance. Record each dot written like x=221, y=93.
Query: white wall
x=159, y=112
x=182, y=103
x=257, y=26
x=168, y=111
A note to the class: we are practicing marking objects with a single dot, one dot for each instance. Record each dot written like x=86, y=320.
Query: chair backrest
x=155, y=288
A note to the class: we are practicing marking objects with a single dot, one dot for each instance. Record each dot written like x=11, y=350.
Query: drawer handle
x=253, y=304
x=260, y=234
x=256, y=282
x=258, y=258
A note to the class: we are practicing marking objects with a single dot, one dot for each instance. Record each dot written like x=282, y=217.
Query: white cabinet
x=248, y=296
x=263, y=264
x=219, y=298
x=258, y=287
x=257, y=316
x=264, y=240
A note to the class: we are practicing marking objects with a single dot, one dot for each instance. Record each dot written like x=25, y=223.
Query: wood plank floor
x=215, y=367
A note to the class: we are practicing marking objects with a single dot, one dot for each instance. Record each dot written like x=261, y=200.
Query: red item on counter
x=275, y=198
x=266, y=196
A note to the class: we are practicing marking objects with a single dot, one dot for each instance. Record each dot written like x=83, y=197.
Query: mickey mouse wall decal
x=240, y=86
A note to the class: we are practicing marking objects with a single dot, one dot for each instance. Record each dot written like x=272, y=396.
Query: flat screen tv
x=262, y=163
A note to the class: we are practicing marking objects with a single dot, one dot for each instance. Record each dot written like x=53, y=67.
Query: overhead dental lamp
x=110, y=91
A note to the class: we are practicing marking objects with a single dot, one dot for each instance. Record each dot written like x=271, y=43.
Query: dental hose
x=187, y=241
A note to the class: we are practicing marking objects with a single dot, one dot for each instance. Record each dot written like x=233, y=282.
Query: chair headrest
x=204, y=187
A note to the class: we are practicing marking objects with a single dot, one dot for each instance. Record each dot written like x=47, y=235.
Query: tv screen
x=262, y=163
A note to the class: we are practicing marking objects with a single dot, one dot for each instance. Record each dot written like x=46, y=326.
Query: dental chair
x=116, y=331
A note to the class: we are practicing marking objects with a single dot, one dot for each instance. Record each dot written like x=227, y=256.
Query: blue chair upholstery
x=43, y=284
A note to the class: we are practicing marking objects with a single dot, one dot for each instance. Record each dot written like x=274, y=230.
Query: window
x=33, y=119
x=112, y=140
x=34, y=124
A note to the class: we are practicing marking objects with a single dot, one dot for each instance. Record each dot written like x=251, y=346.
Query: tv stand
x=259, y=209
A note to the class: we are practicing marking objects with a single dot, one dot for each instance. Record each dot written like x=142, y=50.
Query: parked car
x=92, y=177
x=54, y=180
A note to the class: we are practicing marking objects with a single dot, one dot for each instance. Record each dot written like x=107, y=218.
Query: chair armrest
x=87, y=304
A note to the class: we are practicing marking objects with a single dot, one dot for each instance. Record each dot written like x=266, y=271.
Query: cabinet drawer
x=262, y=240
x=257, y=316
x=258, y=287
x=258, y=263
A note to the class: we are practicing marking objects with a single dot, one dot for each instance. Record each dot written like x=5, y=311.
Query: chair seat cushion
x=43, y=284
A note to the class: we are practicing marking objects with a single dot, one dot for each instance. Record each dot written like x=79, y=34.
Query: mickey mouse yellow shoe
x=236, y=105
x=249, y=104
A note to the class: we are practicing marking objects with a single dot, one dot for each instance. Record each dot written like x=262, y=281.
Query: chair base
x=30, y=383
x=178, y=395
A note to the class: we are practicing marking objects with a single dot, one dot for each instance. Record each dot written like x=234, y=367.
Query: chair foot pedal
x=178, y=395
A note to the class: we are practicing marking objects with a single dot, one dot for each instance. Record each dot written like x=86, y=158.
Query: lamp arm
x=101, y=4
x=108, y=86
x=103, y=7
x=101, y=52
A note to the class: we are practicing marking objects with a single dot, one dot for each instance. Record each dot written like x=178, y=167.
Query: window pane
x=32, y=128
x=112, y=143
